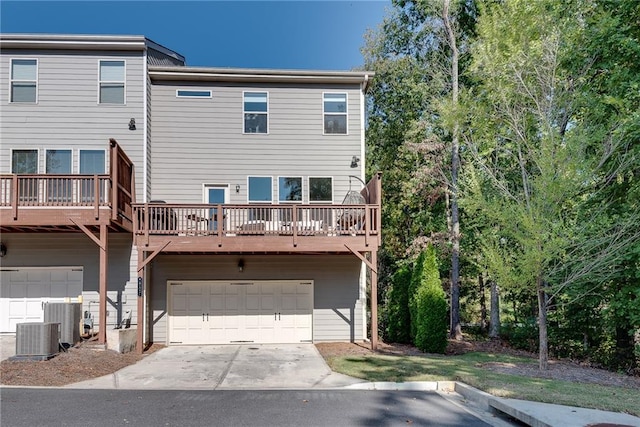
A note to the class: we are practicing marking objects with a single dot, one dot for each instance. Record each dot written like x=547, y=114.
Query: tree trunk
x=494, y=322
x=483, y=304
x=455, y=328
x=543, y=350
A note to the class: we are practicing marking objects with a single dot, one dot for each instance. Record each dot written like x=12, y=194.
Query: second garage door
x=215, y=312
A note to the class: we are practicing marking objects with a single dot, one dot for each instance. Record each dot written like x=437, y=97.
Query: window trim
x=70, y=150
x=205, y=192
x=12, y=80
x=322, y=202
x=124, y=82
x=37, y=150
x=291, y=202
x=346, y=112
x=263, y=202
x=79, y=165
x=244, y=112
x=194, y=96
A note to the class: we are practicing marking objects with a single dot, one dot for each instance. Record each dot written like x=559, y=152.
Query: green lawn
x=467, y=368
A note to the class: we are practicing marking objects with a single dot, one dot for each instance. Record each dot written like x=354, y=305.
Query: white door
x=24, y=291
x=240, y=312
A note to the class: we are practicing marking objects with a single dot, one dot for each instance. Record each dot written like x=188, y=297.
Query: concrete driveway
x=217, y=367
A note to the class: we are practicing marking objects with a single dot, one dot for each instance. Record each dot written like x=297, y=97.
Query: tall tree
x=531, y=171
x=413, y=124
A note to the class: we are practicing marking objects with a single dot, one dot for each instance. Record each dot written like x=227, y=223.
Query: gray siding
x=67, y=115
x=338, y=310
x=197, y=141
x=76, y=249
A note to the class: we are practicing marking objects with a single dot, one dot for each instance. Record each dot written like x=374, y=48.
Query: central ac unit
x=37, y=340
x=68, y=315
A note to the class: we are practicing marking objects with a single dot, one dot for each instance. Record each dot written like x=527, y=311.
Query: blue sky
x=322, y=35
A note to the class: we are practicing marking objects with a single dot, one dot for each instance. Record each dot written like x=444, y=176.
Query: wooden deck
x=201, y=228
x=45, y=202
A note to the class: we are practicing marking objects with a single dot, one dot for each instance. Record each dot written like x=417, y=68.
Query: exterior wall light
x=132, y=124
x=237, y=188
x=354, y=161
x=241, y=266
x=3, y=249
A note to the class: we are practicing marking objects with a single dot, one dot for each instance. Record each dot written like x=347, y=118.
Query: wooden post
x=102, y=333
x=14, y=195
x=140, y=331
x=374, y=301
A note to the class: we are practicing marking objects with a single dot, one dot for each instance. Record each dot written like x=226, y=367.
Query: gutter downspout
x=363, y=267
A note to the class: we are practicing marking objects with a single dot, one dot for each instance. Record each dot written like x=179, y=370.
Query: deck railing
x=116, y=189
x=258, y=220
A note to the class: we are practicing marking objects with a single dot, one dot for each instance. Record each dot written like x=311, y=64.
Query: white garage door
x=24, y=291
x=205, y=312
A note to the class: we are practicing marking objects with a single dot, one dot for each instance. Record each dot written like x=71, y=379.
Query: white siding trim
x=362, y=131
x=146, y=81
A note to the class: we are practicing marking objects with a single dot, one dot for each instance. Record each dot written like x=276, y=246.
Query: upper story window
x=24, y=161
x=320, y=190
x=289, y=189
x=184, y=93
x=24, y=80
x=256, y=110
x=335, y=113
x=112, y=82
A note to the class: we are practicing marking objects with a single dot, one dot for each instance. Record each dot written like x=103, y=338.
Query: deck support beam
x=373, y=268
x=102, y=242
x=102, y=332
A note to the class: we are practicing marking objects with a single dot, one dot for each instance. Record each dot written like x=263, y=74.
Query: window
x=183, y=93
x=26, y=162
x=335, y=113
x=111, y=82
x=320, y=190
x=260, y=188
x=289, y=189
x=58, y=162
x=24, y=80
x=255, y=112
x=92, y=162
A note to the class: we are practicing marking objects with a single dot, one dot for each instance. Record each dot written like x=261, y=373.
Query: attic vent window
x=181, y=93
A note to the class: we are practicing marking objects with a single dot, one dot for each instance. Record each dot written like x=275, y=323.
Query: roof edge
x=260, y=75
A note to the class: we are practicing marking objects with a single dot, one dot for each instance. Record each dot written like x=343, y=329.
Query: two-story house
x=232, y=207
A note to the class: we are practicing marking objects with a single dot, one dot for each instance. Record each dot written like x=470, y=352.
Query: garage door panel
x=17, y=290
x=260, y=312
x=25, y=289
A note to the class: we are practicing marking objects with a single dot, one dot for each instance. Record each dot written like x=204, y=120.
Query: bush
x=522, y=336
x=398, y=317
x=429, y=305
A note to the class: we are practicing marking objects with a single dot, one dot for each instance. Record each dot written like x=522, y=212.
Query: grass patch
x=467, y=368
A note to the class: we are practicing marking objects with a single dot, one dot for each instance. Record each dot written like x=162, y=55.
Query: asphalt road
x=72, y=407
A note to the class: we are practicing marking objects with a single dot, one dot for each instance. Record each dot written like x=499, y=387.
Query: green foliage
x=398, y=317
x=429, y=305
